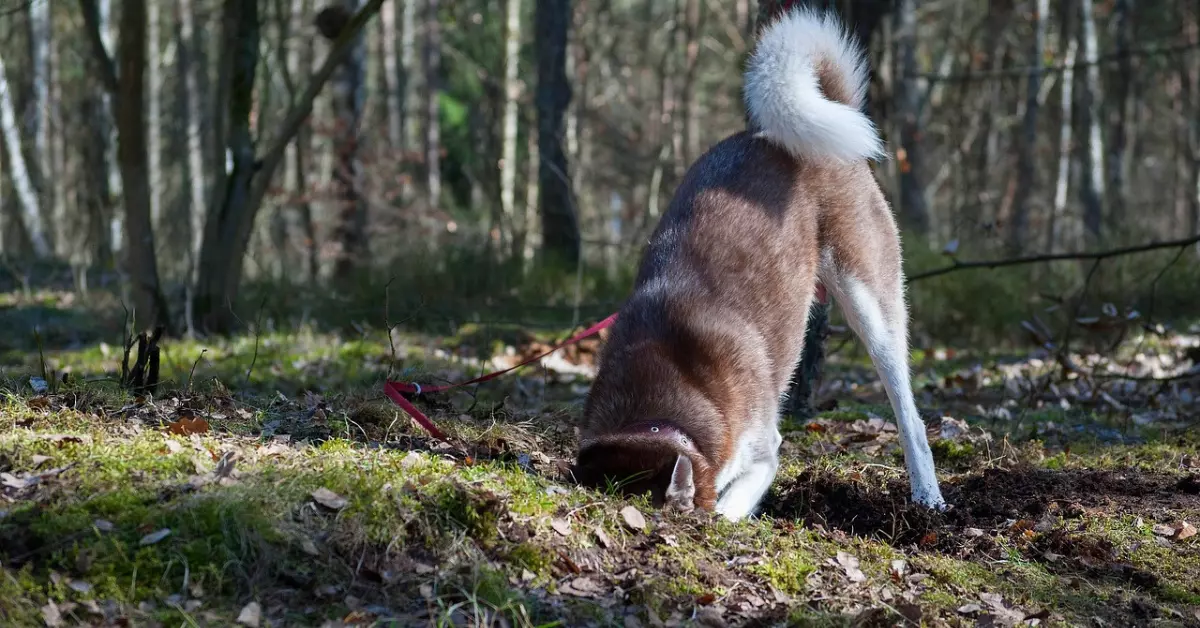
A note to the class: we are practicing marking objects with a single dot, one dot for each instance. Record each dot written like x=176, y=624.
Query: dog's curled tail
x=804, y=89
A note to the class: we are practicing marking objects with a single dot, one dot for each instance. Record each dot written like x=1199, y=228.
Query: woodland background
x=209, y=163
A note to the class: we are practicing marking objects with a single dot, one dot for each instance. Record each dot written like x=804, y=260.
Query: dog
x=686, y=402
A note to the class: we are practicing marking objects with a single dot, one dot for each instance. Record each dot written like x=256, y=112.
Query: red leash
x=395, y=390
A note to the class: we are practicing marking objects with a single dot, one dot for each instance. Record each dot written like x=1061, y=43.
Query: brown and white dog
x=686, y=403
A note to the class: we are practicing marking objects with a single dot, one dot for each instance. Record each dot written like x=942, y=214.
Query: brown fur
x=716, y=322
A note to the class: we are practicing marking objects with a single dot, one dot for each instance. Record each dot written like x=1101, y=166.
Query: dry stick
x=257, y=336
x=1055, y=257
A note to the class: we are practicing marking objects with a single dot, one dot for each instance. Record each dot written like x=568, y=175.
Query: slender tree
x=30, y=226
x=127, y=82
x=349, y=88
x=1091, y=187
x=560, y=226
x=1026, y=158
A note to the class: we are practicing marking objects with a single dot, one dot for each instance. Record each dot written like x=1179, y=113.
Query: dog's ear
x=681, y=491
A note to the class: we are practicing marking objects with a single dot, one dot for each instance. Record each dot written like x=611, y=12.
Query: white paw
x=931, y=499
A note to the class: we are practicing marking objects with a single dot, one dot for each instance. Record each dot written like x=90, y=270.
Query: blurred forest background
x=209, y=164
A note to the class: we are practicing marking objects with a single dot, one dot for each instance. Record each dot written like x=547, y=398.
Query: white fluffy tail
x=805, y=86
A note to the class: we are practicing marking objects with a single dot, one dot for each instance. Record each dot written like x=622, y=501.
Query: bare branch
x=91, y=19
x=1038, y=259
x=302, y=107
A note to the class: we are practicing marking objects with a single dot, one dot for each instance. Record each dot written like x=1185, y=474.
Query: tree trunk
x=29, y=223
x=508, y=134
x=140, y=261
x=433, y=90
x=348, y=98
x=190, y=74
x=914, y=208
x=1122, y=113
x=1057, y=234
x=301, y=62
x=408, y=72
x=37, y=114
x=154, y=108
x=227, y=232
x=693, y=24
x=560, y=228
x=1092, y=184
x=392, y=79
x=1026, y=166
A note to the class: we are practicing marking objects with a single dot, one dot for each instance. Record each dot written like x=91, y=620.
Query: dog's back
x=693, y=372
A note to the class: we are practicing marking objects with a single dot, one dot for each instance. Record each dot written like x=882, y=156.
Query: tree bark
x=1091, y=187
x=560, y=227
x=1026, y=166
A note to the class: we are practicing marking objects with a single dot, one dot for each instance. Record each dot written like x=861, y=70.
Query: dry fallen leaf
x=310, y=548
x=1164, y=529
x=154, y=537
x=186, y=426
x=79, y=586
x=633, y=518
x=849, y=564
x=251, y=615
x=51, y=614
x=583, y=586
x=1185, y=530
x=329, y=499
x=561, y=526
x=602, y=537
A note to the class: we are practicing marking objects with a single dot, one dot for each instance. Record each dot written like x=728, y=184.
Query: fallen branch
x=1056, y=257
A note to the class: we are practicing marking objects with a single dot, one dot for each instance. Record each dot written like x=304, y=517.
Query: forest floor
x=270, y=483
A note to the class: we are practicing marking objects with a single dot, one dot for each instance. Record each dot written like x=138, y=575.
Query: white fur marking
x=887, y=343
x=784, y=97
x=744, y=480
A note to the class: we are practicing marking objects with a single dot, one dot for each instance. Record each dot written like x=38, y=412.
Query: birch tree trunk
x=392, y=78
x=1026, y=166
x=1091, y=187
x=37, y=114
x=407, y=85
x=30, y=223
x=508, y=133
x=1056, y=235
x=154, y=85
x=433, y=79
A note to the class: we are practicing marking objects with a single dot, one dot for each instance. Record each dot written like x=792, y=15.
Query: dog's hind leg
x=878, y=315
